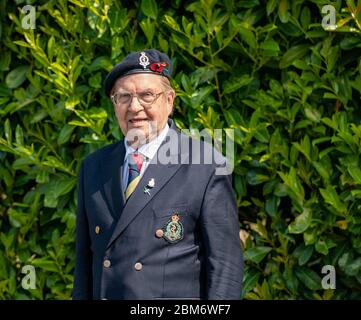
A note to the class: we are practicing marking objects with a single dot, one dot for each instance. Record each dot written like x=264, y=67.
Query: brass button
x=159, y=233
x=138, y=266
x=97, y=229
x=106, y=263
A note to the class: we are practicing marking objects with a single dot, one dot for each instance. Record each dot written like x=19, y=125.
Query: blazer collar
x=110, y=170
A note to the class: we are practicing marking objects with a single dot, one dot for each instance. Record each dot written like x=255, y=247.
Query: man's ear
x=170, y=101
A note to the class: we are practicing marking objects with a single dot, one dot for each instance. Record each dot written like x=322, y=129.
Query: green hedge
x=267, y=69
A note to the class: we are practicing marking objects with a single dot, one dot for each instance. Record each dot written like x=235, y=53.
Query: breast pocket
x=181, y=209
x=171, y=222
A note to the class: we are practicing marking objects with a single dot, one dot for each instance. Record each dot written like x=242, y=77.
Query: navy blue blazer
x=126, y=250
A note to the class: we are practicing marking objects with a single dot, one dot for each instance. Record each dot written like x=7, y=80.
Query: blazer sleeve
x=82, y=289
x=220, y=235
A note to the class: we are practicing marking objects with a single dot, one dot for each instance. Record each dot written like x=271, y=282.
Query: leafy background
x=267, y=69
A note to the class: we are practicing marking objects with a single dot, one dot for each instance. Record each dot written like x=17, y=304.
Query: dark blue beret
x=147, y=61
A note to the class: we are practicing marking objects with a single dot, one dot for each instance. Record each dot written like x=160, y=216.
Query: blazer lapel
x=139, y=199
x=111, y=172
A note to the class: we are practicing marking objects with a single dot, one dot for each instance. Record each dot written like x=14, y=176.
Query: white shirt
x=147, y=150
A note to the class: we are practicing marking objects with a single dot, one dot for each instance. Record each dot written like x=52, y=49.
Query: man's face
x=135, y=118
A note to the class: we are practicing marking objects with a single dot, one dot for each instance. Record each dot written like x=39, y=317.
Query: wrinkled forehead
x=138, y=82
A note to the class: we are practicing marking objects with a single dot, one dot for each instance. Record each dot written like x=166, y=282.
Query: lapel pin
x=149, y=186
x=151, y=183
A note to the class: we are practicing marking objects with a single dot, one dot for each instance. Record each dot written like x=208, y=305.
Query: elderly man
x=153, y=223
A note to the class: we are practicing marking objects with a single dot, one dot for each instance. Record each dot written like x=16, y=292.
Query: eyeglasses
x=145, y=98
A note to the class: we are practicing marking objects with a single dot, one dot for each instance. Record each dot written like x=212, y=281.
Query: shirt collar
x=150, y=149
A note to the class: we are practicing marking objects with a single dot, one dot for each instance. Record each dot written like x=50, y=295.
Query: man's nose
x=134, y=105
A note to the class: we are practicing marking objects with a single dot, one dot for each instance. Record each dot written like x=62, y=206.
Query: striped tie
x=135, y=161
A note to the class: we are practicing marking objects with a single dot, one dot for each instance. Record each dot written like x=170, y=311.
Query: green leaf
x=16, y=77
x=42, y=177
x=276, y=88
x=5, y=61
x=331, y=197
x=265, y=291
x=256, y=254
x=309, y=278
x=304, y=147
x=247, y=3
x=270, y=45
x=233, y=117
x=117, y=45
x=301, y=223
x=45, y=264
x=295, y=189
x=95, y=81
x=321, y=170
x=163, y=43
x=200, y=95
x=345, y=260
x=305, y=17
x=7, y=239
x=352, y=268
x=235, y=84
x=292, y=54
x=250, y=280
x=57, y=188
x=331, y=123
x=17, y=218
x=283, y=11
x=300, y=64
x=240, y=185
x=148, y=28
x=313, y=114
x=321, y=247
x=248, y=36
x=149, y=8
x=8, y=131
x=303, y=253
x=6, y=177
x=355, y=173
x=292, y=281
x=332, y=58
x=254, y=178
x=51, y=48
x=38, y=116
x=271, y=205
x=79, y=123
x=65, y=134
x=19, y=135
x=271, y=6
x=169, y=20
x=262, y=135
x=102, y=62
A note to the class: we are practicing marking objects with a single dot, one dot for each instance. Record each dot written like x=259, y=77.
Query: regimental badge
x=173, y=231
x=143, y=60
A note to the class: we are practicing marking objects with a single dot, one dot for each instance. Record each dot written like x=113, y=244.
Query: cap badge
x=143, y=60
x=174, y=229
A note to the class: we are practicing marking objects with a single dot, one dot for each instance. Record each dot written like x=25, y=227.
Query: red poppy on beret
x=158, y=66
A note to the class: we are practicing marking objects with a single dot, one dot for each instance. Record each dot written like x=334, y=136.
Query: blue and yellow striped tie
x=135, y=162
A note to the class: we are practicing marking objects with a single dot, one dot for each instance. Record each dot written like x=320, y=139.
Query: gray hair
x=166, y=84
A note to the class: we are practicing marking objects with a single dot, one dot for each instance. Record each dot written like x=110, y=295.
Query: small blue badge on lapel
x=173, y=231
